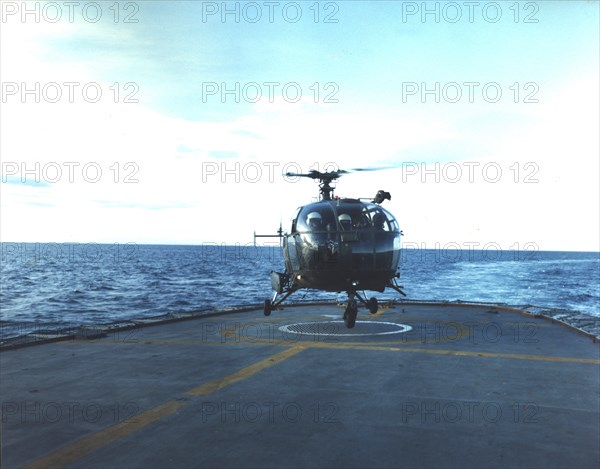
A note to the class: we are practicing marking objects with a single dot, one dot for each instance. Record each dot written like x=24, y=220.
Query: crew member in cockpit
x=346, y=221
x=314, y=221
x=314, y=246
x=379, y=221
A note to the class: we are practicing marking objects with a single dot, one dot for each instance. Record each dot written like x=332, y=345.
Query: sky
x=175, y=122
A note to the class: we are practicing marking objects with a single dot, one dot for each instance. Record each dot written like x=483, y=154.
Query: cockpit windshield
x=352, y=216
x=362, y=234
x=316, y=217
x=348, y=215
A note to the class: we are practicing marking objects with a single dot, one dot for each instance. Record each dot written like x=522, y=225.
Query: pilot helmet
x=379, y=219
x=313, y=219
x=345, y=219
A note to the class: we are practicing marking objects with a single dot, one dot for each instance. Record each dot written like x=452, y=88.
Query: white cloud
x=176, y=200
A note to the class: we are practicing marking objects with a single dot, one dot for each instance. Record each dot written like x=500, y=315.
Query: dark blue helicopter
x=339, y=245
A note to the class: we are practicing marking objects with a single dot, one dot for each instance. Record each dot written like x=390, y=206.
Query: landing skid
x=270, y=304
x=285, y=286
x=392, y=284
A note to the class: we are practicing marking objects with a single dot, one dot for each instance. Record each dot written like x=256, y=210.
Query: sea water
x=61, y=285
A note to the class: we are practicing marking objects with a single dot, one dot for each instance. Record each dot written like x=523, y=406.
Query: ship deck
x=415, y=385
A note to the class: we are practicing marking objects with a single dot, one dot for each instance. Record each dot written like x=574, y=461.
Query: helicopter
x=338, y=245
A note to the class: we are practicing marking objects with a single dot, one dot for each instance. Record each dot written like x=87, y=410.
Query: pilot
x=314, y=221
x=378, y=221
x=346, y=221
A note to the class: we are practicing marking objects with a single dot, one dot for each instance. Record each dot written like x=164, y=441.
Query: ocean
x=55, y=286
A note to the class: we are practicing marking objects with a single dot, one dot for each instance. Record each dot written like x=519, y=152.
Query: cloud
x=27, y=182
x=222, y=154
x=146, y=171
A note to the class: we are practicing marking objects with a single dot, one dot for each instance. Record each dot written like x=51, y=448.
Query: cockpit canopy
x=343, y=215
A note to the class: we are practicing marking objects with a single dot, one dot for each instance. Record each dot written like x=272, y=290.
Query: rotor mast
x=325, y=188
x=325, y=180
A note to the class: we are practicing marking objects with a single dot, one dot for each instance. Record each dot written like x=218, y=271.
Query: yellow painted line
x=213, y=386
x=383, y=346
x=95, y=441
x=460, y=353
x=86, y=445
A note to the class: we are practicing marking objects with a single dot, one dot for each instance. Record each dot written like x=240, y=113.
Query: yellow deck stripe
x=383, y=346
x=95, y=441
x=461, y=353
x=213, y=386
x=88, y=444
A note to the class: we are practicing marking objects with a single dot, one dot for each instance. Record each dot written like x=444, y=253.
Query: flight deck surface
x=415, y=385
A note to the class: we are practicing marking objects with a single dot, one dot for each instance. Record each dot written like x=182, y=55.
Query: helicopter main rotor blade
x=332, y=175
x=300, y=175
x=314, y=174
x=380, y=168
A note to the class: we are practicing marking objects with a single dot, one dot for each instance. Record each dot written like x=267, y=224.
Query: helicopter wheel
x=268, y=307
x=373, y=305
x=350, y=314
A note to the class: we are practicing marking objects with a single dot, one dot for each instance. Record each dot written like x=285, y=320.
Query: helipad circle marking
x=402, y=328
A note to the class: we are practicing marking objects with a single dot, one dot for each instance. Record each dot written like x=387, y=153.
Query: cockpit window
x=381, y=219
x=325, y=217
x=315, y=218
x=353, y=217
x=295, y=220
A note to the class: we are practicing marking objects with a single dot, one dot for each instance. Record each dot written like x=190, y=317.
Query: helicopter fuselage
x=342, y=245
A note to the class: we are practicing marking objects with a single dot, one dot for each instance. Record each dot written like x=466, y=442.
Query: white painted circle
x=401, y=328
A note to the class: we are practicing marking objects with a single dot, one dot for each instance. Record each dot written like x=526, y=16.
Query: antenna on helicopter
x=278, y=235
